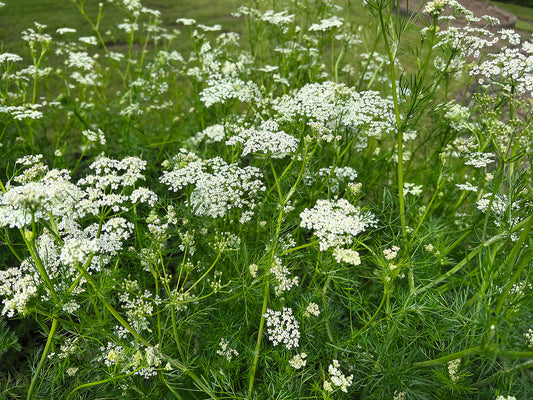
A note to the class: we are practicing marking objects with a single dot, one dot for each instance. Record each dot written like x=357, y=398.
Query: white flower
x=280, y=18
x=390, y=254
x=77, y=251
x=225, y=350
x=467, y=187
x=312, y=309
x=267, y=139
x=337, y=107
x=298, y=361
x=9, y=57
x=253, y=269
x=90, y=40
x=453, y=368
x=348, y=256
x=399, y=395
x=92, y=136
x=336, y=222
x=186, y=21
x=221, y=89
x=218, y=186
x=411, y=188
x=80, y=60
x=325, y=24
x=435, y=7
x=282, y=328
x=17, y=287
x=480, y=160
x=281, y=274
x=337, y=380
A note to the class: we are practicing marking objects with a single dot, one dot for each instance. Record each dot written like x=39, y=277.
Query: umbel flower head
x=218, y=186
x=336, y=222
x=333, y=106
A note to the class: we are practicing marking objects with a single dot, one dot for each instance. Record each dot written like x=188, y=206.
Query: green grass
x=18, y=15
x=524, y=15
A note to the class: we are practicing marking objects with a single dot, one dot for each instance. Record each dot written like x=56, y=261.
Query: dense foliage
x=338, y=205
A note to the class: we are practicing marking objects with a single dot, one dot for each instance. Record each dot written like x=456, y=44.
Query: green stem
x=399, y=140
x=325, y=305
x=86, y=385
x=450, y=357
x=259, y=337
x=55, y=324
x=372, y=318
x=441, y=278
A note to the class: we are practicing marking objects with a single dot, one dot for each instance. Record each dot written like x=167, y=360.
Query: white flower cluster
x=9, y=57
x=336, y=222
x=337, y=380
x=50, y=195
x=411, y=188
x=298, y=361
x=211, y=134
x=80, y=60
x=457, y=115
x=509, y=67
x=499, y=205
x=43, y=194
x=336, y=106
x=277, y=18
x=138, y=304
x=282, y=328
x=225, y=350
x=312, y=309
x=339, y=175
x=133, y=359
x=399, y=395
x=218, y=186
x=435, y=7
x=24, y=112
x=467, y=41
x=453, y=368
x=18, y=288
x=77, y=250
x=267, y=139
x=347, y=256
x=390, y=254
x=31, y=36
x=94, y=137
x=222, y=89
x=479, y=160
x=461, y=147
x=500, y=397
x=281, y=274
x=326, y=24
x=467, y=187
x=109, y=176
x=186, y=21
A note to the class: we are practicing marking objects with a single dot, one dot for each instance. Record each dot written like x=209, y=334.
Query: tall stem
x=55, y=324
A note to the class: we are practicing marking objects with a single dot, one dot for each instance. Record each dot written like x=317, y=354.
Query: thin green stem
x=259, y=337
x=455, y=269
x=372, y=318
x=450, y=357
x=55, y=324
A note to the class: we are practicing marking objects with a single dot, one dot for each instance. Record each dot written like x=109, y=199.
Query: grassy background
x=18, y=15
x=524, y=15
